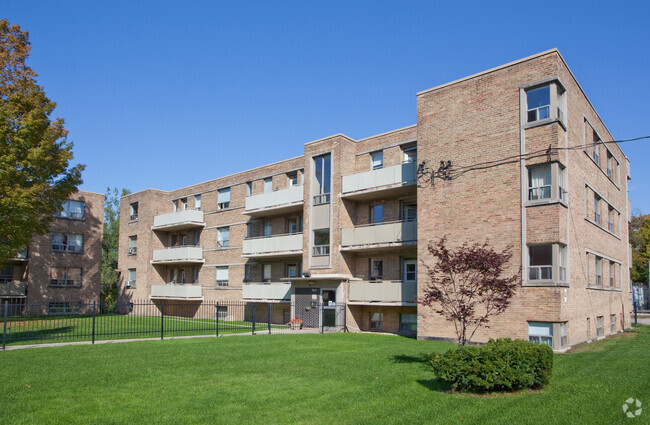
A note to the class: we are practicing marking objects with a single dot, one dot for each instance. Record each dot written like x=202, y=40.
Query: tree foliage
x=110, y=244
x=35, y=172
x=465, y=286
x=640, y=241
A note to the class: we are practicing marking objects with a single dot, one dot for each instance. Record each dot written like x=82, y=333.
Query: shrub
x=501, y=365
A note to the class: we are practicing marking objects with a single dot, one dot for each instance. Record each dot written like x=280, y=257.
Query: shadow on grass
x=51, y=333
x=422, y=358
x=435, y=385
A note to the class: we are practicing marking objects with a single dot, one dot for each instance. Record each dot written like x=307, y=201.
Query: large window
x=6, y=274
x=408, y=322
x=223, y=237
x=65, y=276
x=67, y=242
x=376, y=213
x=539, y=183
x=266, y=273
x=322, y=177
x=376, y=269
x=222, y=276
x=376, y=321
x=133, y=211
x=64, y=308
x=410, y=270
x=293, y=270
x=540, y=259
x=72, y=209
x=321, y=242
x=539, y=103
x=540, y=333
x=224, y=199
x=268, y=228
x=376, y=160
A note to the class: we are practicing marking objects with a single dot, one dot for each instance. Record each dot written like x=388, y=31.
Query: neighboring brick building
x=62, y=269
x=351, y=214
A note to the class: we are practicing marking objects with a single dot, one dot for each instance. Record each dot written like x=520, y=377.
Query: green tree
x=110, y=244
x=640, y=241
x=36, y=176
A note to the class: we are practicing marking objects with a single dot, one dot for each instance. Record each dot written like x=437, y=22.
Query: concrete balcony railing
x=13, y=290
x=381, y=234
x=401, y=174
x=177, y=292
x=178, y=255
x=290, y=198
x=266, y=291
x=393, y=292
x=179, y=220
x=273, y=245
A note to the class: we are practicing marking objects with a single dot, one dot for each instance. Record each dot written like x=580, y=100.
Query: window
x=540, y=333
x=539, y=103
x=611, y=274
x=376, y=213
x=6, y=274
x=596, y=151
x=411, y=154
x=588, y=328
x=562, y=262
x=268, y=185
x=133, y=211
x=197, y=202
x=293, y=270
x=266, y=273
x=67, y=242
x=410, y=270
x=72, y=209
x=376, y=160
x=133, y=245
x=376, y=269
x=610, y=219
x=376, y=321
x=223, y=237
x=599, y=326
x=249, y=188
x=564, y=341
x=197, y=236
x=293, y=179
x=408, y=322
x=597, y=209
x=322, y=179
x=409, y=211
x=268, y=228
x=65, y=276
x=249, y=230
x=563, y=185
x=599, y=271
x=612, y=323
x=222, y=312
x=292, y=225
x=539, y=183
x=224, y=199
x=131, y=281
x=222, y=276
x=184, y=204
x=321, y=242
x=540, y=265
x=247, y=272
x=64, y=308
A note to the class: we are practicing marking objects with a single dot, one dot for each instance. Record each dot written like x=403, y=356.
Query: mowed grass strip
x=312, y=379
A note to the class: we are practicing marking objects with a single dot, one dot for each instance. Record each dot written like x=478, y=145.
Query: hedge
x=501, y=365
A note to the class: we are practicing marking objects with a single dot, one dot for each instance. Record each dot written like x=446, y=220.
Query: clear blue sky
x=167, y=94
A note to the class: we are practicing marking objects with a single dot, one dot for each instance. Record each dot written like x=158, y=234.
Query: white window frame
x=132, y=275
x=537, y=333
x=67, y=210
x=133, y=211
x=66, y=281
x=223, y=198
x=223, y=237
x=410, y=325
x=376, y=273
x=65, y=245
x=268, y=185
x=197, y=202
x=377, y=160
x=406, y=263
x=267, y=272
x=222, y=276
x=376, y=320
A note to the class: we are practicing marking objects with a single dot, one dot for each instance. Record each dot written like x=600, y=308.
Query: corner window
x=540, y=333
x=223, y=237
x=133, y=211
x=224, y=199
x=539, y=103
x=408, y=322
x=539, y=183
x=377, y=160
x=540, y=262
x=222, y=276
x=376, y=321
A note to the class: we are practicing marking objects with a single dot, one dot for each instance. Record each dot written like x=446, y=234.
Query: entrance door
x=329, y=308
x=306, y=307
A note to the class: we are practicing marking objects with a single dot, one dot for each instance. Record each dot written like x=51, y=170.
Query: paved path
x=642, y=321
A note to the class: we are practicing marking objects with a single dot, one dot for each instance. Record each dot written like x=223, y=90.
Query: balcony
x=386, y=292
x=273, y=246
x=13, y=290
x=177, y=292
x=21, y=256
x=179, y=220
x=389, y=181
x=380, y=235
x=267, y=291
x=276, y=202
x=178, y=255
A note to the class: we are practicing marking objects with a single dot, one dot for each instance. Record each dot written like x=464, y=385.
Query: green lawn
x=311, y=379
x=48, y=329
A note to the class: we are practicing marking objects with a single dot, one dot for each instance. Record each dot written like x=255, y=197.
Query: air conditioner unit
x=128, y=284
x=133, y=250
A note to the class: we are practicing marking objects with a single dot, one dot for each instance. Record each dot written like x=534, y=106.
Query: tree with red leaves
x=465, y=286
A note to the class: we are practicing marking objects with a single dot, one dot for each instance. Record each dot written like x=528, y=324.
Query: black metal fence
x=75, y=321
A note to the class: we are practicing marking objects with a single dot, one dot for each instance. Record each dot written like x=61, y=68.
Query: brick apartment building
x=61, y=270
x=348, y=222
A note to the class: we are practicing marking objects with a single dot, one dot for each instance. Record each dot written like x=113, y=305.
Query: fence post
x=322, y=322
x=253, y=330
x=269, y=308
x=345, y=318
x=216, y=314
x=162, y=319
x=4, y=328
x=93, y=322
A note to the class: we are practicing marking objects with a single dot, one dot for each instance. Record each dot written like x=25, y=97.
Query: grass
x=47, y=329
x=313, y=379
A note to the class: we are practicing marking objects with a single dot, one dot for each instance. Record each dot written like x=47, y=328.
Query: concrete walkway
x=113, y=341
